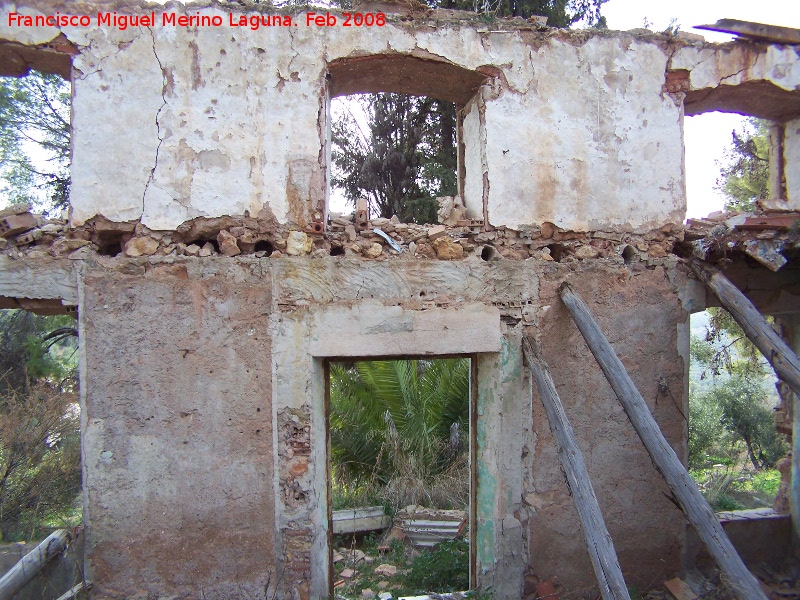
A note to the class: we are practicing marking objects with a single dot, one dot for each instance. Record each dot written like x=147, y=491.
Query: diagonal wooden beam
x=740, y=581
x=755, y=326
x=598, y=541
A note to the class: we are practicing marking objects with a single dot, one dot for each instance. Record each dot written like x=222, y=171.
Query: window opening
x=734, y=446
x=35, y=142
x=396, y=151
x=400, y=475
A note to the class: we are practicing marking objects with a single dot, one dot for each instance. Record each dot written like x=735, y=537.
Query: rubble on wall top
x=25, y=235
x=769, y=235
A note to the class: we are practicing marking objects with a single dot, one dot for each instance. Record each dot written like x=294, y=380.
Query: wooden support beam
x=598, y=541
x=71, y=593
x=777, y=352
x=740, y=581
x=33, y=562
x=755, y=326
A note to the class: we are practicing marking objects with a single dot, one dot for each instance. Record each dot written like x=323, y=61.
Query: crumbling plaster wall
x=225, y=120
x=190, y=365
x=525, y=520
x=226, y=123
x=177, y=428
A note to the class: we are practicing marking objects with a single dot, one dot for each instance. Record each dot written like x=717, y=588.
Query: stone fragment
x=586, y=252
x=384, y=595
x=206, y=250
x=373, y=251
x=412, y=248
x=51, y=228
x=350, y=230
x=380, y=222
x=16, y=209
x=192, y=250
x=276, y=254
x=298, y=244
x=347, y=574
x=548, y=229
x=386, y=570
x=546, y=589
x=227, y=243
x=203, y=228
x=656, y=251
x=367, y=594
x=451, y=210
x=434, y=233
x=141, y=246
x=447, y=249
x=65, y=246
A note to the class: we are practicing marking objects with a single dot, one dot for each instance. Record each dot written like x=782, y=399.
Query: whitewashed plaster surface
x=593, y=143
x=170, y=123
x=712, y=66
x=791, y=158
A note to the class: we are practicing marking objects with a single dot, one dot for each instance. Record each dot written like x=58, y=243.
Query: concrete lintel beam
x=371, y=329
x=39, y=280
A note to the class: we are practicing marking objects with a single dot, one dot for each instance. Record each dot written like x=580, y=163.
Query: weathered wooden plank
x=39, y=279
x=739, y=579
x=75, y=590
x=598, y=540
x=30, y=564
x=755, y=326
x=758, y=31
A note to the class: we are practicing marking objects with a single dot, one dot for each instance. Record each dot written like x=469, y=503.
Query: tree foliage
x=734, y=414
x=559, y=13
x=404, y=159
x=35, y=140
x=744, y=413
x=39, y=422
x=726, y=349
x=401, y=426
x=744, y=169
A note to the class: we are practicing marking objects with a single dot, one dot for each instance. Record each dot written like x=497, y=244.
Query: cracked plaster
x=214, y=117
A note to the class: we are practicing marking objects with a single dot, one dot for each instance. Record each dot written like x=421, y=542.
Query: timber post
x=741, y=582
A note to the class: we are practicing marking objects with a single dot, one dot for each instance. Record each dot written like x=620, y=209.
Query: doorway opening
x=400, y=475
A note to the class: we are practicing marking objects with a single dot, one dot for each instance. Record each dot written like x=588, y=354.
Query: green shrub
x=445, y=568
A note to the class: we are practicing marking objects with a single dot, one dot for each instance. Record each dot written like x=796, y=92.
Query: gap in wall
x=399, y=152
x=733, y=441
x=400, y=475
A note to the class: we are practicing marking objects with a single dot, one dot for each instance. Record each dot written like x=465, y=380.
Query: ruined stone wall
x=213, y=121
x=204, y=425
x=204, y=421
x=642, y=318
x=177, y=427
